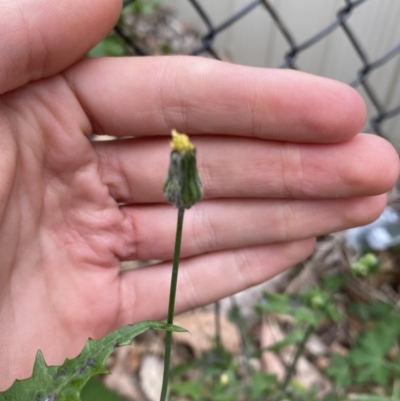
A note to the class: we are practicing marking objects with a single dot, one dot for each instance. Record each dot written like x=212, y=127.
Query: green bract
x=183, y=186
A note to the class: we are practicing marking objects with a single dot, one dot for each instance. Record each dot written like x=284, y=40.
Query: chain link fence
x=205, y=45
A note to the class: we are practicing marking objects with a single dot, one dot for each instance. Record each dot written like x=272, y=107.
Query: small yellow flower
x=224, y=379
x=180, y=142
x=183, y=185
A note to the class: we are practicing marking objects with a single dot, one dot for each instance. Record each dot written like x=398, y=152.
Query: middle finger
x=216, y=225
x=230, y=167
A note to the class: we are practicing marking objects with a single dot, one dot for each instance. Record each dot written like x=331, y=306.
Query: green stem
x=292, y=368
x=217, y=314
x=171, y=305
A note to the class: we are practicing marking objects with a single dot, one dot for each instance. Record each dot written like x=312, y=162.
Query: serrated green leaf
x=190, y=389
x=340, y=371
x=368, y=355
x=275, y=303
x=333, y=282
x=65, y=382
x=296, y=336
x=372, y=311
x=306, y=315
x=96, y=390
x=262, y=384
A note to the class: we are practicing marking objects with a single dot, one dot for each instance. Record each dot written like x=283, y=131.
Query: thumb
x=39, y=38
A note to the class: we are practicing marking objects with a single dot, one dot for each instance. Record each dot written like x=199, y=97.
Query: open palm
x=278, y=152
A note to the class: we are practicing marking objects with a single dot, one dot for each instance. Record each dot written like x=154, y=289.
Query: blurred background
x=329, y=328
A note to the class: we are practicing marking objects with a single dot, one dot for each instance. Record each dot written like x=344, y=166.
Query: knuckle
x=204, y=230
x=292, y=170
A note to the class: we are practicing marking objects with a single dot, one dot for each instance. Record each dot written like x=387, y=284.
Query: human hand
x=278, y=152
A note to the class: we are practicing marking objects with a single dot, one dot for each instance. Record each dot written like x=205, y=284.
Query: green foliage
x=220, y=378
x=368, y=264
x=311, y=307
x=143, y=6
x=65, y=382
x=96, y=390
x=368, y=356
x=235, y=316
x=340, y=371
x=112, y=46
x=368, y=361
x=369, y=397
x=333, y=282
x=372, y=311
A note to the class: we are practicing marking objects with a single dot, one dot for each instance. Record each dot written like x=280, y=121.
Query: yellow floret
x=180, y=142
x=224, y=378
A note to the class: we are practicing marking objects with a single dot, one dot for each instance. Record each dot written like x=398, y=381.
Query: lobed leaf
x=65, y=382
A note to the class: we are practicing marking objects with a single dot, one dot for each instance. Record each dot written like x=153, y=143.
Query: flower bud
x=183, y=186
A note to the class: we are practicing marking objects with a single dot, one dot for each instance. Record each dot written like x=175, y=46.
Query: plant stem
x=217, y=314
x=238, y=319
x=292, y=368
x=171, y=305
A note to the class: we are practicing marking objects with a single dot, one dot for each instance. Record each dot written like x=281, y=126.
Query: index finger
x=41, y=38
x=150, y=96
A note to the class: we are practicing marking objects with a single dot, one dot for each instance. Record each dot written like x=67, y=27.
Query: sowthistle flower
x=182, y=186
x=183, y=189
